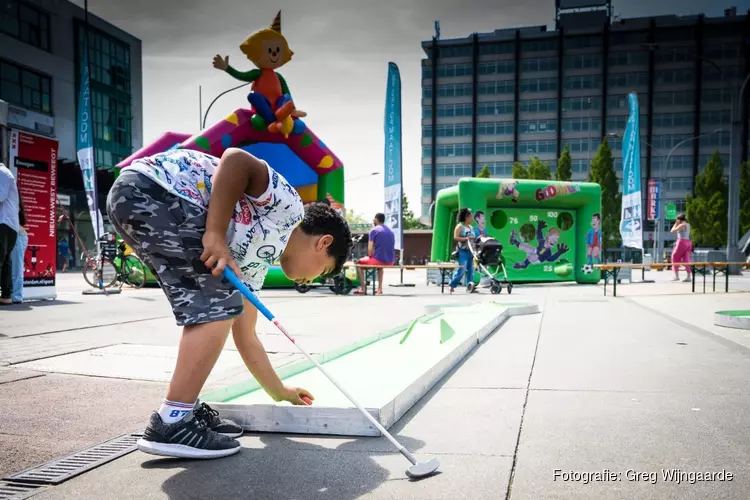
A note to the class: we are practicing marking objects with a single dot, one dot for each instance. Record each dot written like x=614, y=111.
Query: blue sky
x=342, y=49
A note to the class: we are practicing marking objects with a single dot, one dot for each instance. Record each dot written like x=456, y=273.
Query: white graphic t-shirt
x=260, y=227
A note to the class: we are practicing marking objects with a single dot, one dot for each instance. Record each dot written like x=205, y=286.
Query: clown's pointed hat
x=276, y=26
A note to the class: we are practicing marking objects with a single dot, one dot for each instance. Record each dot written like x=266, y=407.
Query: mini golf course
x=387, y=374
x=733, y=319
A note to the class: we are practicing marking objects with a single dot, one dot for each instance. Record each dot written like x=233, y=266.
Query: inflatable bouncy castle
x=270, y=129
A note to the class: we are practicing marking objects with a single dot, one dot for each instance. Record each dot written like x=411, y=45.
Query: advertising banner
x=653, y=199
x=393, y=179
x=33, y=159
x=631, y=221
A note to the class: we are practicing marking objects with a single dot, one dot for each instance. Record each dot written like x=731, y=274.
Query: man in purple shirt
x=380, y=252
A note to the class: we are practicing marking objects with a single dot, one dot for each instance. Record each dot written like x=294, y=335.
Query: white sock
x=172, y=411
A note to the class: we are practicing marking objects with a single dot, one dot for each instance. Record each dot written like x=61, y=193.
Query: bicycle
x=131, y=270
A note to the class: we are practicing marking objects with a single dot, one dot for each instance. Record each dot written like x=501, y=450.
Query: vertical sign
x=34, y=160
x=85, y=147
x=631, y=221
x=394, y=193
x=653, y=199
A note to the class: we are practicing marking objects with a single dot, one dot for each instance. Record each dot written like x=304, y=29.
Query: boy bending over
x=188, y=215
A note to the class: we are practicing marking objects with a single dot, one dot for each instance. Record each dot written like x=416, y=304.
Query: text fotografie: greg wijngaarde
x=677, y=476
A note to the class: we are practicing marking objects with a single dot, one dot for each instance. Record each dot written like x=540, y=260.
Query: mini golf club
x=417, y=469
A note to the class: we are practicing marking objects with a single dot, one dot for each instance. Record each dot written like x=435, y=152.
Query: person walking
x=462, y=233
x=682, y=247
x=8, y=231
x=19, y=250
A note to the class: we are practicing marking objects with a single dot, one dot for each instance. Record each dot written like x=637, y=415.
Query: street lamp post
x=371, y=174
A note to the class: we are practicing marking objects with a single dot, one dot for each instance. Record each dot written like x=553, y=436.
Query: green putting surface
x=739, y=312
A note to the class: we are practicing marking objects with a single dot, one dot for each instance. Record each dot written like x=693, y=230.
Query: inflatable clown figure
x=268, y=50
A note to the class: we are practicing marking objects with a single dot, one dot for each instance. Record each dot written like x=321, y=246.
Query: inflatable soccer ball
x=588, y=269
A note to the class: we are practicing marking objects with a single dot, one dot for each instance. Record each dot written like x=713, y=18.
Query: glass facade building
x=496, y=98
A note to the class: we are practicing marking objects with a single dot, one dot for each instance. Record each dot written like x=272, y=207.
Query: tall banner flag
x=33, y=160
x=631, y=221
x=394, y=192
x=85, y=147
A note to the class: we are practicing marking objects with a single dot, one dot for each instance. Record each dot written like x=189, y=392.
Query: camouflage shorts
x=166, y=232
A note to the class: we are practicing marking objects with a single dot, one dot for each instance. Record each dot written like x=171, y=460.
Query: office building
x=41, y=47
x=496, y=98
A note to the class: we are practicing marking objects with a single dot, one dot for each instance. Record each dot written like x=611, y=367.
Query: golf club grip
x=245, y=291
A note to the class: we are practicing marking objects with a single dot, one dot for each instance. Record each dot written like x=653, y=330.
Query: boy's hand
x=216, y=254
x=221, y=63
x=294, y=395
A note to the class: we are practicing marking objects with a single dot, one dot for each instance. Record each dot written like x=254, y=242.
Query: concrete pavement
x=622, y=386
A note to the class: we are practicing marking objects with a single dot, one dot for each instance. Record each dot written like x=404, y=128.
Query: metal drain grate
x=18, y=491
x=62, y=469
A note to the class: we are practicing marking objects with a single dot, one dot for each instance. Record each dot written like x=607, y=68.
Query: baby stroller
x=488, y=254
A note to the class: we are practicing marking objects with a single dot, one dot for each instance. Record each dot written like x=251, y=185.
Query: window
x=723, y=51
x=703, y=160
x=494, y=108
x=674, y=120
x=628, y=58
x=491, y=88
x=628, y=79
x=616, y=143
x=494, y=148
x=537, y=147
x=581, y=103
x=539, y=45
x=715, y=117
x=447, y=150
x=678, y=183
x=581, y=82
x=450, y=170
x=583, y=42
x=449, y=110
x=493, y=68
x=715, y=140
x=455, y=51
x=498, y=128
x=670, y=55
x=675, y=76
x=671, y=140
x=488, y=49
x=25, y=88
x=629, y=38
x=427, y=188
x=448, y=130
x=675, y=35
x=538, y=84
x=583, y=61
x=581, y=145
x=426, y=111
x=580, y=166
x=582, y=124
x=26, y=23
x=715, y=96
x=711, y=74
x=537, y=126
x=451, y=70
x=681, y=162
x=541, y=64
x=538, y=105
x=109, y=60
x=455, y=90
x=681, y=98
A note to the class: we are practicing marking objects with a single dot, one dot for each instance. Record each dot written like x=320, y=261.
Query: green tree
x=564, y=166
x=538, y=170
x=484, y=173
x=603, y=173
x=519, y=171
x=707, y=206
x=352, y=217
x=410, y=221
x=744, y=199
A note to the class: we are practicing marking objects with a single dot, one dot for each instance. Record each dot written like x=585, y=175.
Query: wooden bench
x=371, y=272
x=613, y=269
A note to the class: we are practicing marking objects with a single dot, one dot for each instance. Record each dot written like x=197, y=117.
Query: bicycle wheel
x=133, y=271
x=91, y=273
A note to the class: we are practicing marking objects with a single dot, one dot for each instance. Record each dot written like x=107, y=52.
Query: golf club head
x=423, y=469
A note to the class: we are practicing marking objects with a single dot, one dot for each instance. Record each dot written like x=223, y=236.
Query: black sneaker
x=216, y=424
x=188, y=438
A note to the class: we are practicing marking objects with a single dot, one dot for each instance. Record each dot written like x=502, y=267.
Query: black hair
x=598, y=215
x=478, y=214
x=463, y=214
x=380, y=217
x=21, y=213
x=320, y=219
x=325, y=201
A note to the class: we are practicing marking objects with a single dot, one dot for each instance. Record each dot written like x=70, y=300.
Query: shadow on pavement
x=283, y=469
